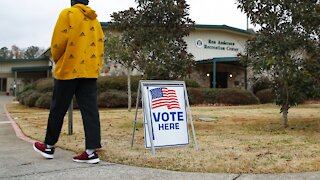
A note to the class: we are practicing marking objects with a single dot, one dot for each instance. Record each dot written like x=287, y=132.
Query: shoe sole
x=45, y=155
x=92, y=161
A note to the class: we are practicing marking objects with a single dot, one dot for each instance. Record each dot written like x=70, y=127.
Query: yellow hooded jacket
x=77, y=44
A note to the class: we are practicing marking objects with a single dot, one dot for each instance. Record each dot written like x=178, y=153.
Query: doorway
x=3, y=85
x=221, y=80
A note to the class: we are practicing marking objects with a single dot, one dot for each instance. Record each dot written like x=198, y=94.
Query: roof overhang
x=209, y=27
x=31, y=69
x=224, y=28
x=222, y=59
x=24, y=60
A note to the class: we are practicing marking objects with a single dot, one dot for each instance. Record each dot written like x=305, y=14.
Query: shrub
x=211, y=95
x=120, y=83
x=265, y=96
x=191, y=83
x=134, y=98
x=31, y=99
x=44, y=85
x=221, y=96
x=27, y=87
x=196, y=96
x=33, y=91
x=44, y=100
x=236, y=96
x=106, y=83
x=260, y=84
x=113, y=99
x=135, y=83
x=117, y=83
x=20, y=95
x=112, y=93
x=23, y=95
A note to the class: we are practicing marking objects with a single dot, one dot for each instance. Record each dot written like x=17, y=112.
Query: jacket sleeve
x=60, y=36
x=101, y=47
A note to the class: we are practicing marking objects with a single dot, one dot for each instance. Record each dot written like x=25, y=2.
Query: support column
x=214, y=74
x=15, y=76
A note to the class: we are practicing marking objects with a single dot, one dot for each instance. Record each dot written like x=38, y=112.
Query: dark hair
x=74, y=2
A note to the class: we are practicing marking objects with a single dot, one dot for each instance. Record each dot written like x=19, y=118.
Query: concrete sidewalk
x=18, y=160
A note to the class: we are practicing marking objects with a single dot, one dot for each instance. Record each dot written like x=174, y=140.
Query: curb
x=16, y=128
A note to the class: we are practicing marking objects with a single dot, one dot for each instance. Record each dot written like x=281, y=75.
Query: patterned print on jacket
x=77, y=44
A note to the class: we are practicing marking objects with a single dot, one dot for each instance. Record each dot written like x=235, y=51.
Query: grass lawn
x=243, y=139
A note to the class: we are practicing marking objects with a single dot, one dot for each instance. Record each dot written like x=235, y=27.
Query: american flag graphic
x=164, y=97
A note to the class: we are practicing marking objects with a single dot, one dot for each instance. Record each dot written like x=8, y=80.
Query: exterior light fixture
x=230, y=75
x=208, y=75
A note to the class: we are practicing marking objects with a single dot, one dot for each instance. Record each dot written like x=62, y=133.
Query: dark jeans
x=85, y=91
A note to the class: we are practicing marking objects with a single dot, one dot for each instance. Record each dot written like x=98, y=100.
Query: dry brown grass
x=244, y=139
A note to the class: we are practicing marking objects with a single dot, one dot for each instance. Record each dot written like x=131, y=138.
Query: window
x=3, y=84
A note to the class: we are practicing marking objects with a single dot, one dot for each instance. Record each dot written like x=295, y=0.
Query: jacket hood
x=86, y=10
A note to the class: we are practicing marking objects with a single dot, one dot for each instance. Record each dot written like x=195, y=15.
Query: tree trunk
x=129, y=89
x=285, y=116
x=285, y=108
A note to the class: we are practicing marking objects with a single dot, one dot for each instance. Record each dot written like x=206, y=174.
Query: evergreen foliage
x=286, y=47
x=152, y=35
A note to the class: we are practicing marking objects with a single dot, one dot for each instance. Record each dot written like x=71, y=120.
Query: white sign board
x=166, y=110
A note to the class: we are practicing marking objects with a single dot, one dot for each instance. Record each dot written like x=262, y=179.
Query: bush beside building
x=112, y=93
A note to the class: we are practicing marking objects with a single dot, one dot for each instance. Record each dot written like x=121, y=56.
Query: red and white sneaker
x=85, y=158
x=44, y=150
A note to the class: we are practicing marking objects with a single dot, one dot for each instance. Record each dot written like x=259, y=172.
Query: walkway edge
x=16, y=128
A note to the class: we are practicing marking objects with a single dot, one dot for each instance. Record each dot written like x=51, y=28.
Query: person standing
x=77, y=48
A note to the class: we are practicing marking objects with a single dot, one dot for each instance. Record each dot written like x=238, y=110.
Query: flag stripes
x=164, y=97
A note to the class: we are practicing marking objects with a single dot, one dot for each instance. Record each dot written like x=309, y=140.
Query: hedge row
x=120, y=83
x=221, y=96
x=112, y=93
x=265, y=96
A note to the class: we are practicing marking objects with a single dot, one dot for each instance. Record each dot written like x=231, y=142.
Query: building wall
x=23, y=78
x=211, y=43
x=214, y=43
x=206, y=44
x=6, y=67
